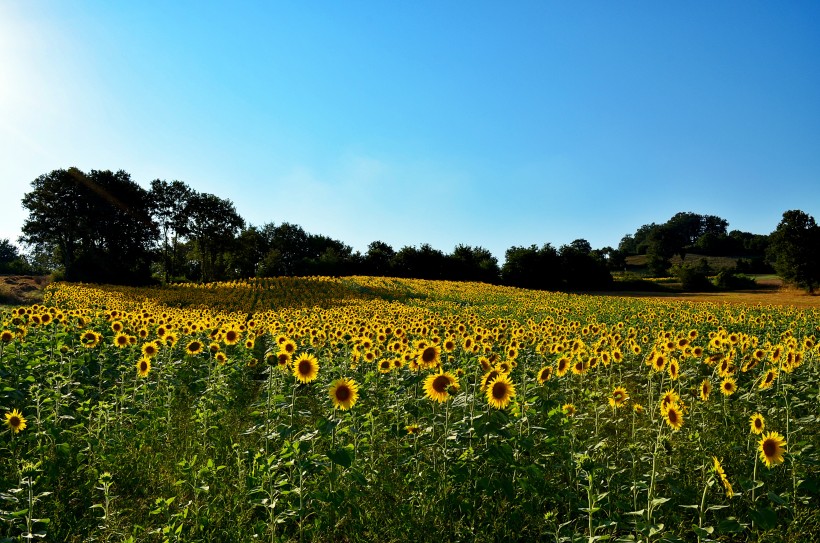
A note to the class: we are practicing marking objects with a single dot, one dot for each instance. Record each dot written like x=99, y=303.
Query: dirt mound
x=22, y=289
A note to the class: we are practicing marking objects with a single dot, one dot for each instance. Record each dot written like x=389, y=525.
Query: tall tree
x=794, y=250
x=97, y=224
x=213, y=225
x=169, y=205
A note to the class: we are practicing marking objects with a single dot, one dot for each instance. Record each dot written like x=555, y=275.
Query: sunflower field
x=378, y=409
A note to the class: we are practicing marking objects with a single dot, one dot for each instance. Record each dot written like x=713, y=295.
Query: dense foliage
x=378, y=409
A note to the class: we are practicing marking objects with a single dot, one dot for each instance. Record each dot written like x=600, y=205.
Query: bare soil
x=22, y=289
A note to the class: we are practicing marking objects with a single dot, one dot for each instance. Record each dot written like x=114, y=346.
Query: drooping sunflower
x=673, y=369
x=15, y=421
x=143, y=366
x=728, y=386
x=758, y=423
x=428, y=357
x=437, y=386
x=306, y=368
x=619, y=397
x=772, y=446
x=705, y=389
x=344, y=393
x=723, y=479
x=673, y=415
x=544, y=374
x=500, y=391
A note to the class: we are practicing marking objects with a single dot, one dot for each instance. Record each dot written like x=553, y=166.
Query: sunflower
x=619, y=397
x=637, y=408
x=669, y=397
x=283, y=361
x=344, y=393
x=90, y=339
x=221, y=357
x=150, y=349
x=758, y=423
x=562, y=366
x=544, y=374
x=306, y=368
x=772, y=446
x=768, y=379
x=723, y=479
x=429, y=356
x=413, y=429
x=580, y=367
x=673, y=369
x=500, y=391
x=728, y=386
x=437, y=386
x=705, y=389
x=143, y=367
x=194, y=348
x=385, y=365
x=489, y=376
x=659, y=363
x=673, y=416
x=15, y=421
x=121, y=340
x=6, y=336
x=231, y=337
x=568, y=409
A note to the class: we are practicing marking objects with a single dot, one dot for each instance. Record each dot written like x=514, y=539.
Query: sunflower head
x=728, y=386
x=500, y=391
x=673, y=415
x=143, y=366
x=15, y=421
x=758, y=423
x=619, y=397
x=343, y=393
x=437, y=386
x=306, y=368
x=772, y=446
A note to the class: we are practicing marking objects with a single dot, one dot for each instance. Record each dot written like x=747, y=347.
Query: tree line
x=102, y=227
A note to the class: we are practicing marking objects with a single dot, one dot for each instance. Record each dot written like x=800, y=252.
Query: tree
x=581, y=269
x=472, y=264
x=531, y=267
x=378, y=260
x=169, y=204
x=794, y=250
x=98, y=225
x=213, y=225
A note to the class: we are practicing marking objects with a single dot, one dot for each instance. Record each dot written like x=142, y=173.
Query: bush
x=731, y=280
x=692, y=278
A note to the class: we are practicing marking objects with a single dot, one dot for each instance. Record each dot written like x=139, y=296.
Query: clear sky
x=486, y=123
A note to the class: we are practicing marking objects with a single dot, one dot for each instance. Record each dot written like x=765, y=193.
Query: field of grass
x=373, y=409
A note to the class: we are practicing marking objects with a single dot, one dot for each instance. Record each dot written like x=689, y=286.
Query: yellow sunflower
x=344, y=393
x=723, y=479
x=568, y=409
x=673, y=415
x=194, y=348
x=150, y=349
x=705, y=389
x=500, y=391
x=758, y=423
x=428, y=357
x=306, y=368
x=768, y=379
x=90, y=339
x=143, y=367
x=562, y=366
x=437, y=386
x=772, y=446
x=121, y=340
x=619, y=397
x=728, y=386
x=544, y=374
x=6, y=336
x=15, y=421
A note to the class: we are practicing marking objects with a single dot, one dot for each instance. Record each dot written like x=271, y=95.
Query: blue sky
x=485, y=123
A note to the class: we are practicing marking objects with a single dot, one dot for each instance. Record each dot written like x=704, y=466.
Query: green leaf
x=765, y=518
x=729, y=526
x=342, y=456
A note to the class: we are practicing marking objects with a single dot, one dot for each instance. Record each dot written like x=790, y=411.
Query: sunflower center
x=14, y=421
x=305, y=367
x=143, y=366
x=499, y=391
x=428, y=355
x=673, y=416
x=769, y=448
x=758, y=423
x=441, y=383
x=343, y=393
